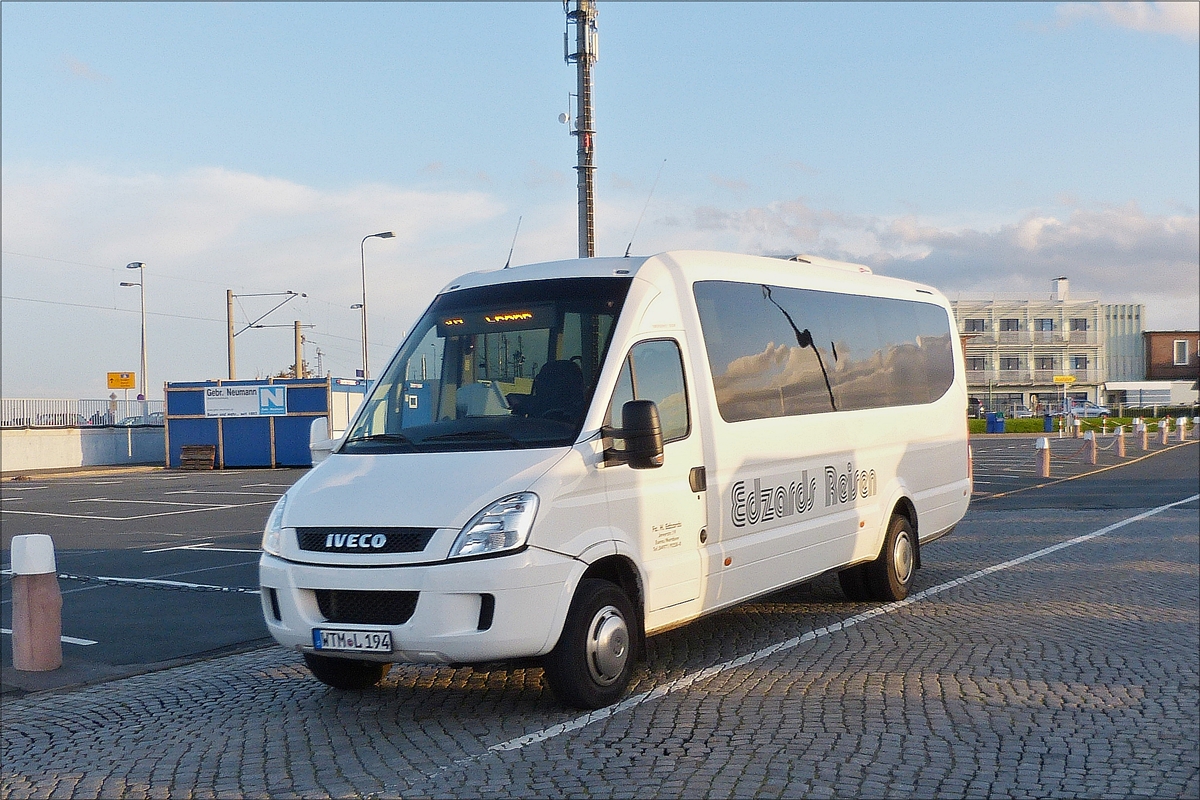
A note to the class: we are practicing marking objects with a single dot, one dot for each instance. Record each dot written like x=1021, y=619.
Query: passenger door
x=657, y=508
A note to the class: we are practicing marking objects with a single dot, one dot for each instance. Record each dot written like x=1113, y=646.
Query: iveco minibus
x=562, y=459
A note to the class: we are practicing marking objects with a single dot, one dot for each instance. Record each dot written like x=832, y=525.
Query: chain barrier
x=160, y=585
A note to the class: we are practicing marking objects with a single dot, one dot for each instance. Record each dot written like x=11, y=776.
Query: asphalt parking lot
x=1050, y=650
x=155, y=566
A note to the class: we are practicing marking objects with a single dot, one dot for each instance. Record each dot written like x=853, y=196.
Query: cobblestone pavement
x=1071, y=673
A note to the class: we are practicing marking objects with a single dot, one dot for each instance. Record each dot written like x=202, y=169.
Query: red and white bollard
x=1164, y=429
x=1182, y=427
x=37, y=604
x=1144, y=435
x=1120, y=434
x=1089, y=439
x=1043, y=449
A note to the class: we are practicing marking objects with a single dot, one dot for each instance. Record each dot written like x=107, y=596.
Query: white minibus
x=562, y=459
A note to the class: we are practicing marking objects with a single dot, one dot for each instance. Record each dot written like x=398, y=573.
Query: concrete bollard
x=1090, y=443
x=1076, y=427
x=1182, y=428
x=1196, y=426
x=1043, y=450
x=37, y=604
x=1164, y=430
x=1120, y=434
x=1143, y=434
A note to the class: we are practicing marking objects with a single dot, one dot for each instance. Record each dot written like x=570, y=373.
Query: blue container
x=1048, y=424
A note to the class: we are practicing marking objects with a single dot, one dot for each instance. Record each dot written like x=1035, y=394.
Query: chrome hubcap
x=902, y=557
x=607, y=646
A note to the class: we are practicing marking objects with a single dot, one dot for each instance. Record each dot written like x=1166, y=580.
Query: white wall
x=53, y=448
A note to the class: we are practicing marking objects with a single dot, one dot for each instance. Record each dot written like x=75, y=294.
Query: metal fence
x=18, y=412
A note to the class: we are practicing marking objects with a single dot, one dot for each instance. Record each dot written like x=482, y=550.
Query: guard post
x=1043, y=451
x=1119, y=433
x=1089, y=439
x=37, y=604
x=1164, y=429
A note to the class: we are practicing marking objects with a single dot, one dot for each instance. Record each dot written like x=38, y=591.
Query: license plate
x=352, y=641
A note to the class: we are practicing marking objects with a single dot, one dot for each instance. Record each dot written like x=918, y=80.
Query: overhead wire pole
x=582, y=14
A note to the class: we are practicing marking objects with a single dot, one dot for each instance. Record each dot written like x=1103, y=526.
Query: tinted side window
x=777, y=351
x=654, y=371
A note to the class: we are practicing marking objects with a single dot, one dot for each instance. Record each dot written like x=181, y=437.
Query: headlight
x=504, y=525
x=273, y=532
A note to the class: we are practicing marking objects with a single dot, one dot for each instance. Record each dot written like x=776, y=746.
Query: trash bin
x=995, y=423
x=1000, y=423
x=1048, y=424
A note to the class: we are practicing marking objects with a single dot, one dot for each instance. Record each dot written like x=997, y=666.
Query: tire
x=591, y=665
x=346, y=673
x=890, y=576
x=854, y=584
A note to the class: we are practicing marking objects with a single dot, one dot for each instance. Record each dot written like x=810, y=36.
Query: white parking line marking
x=139, y=516
x=708, y=672
x=137, y=502
x=24, y=488
x=160, y=582
x=204, y=547
x=179, y=547
x=65, y=639
x=248, y=494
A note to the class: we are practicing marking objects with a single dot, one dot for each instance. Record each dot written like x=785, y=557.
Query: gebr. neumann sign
x=266, y=400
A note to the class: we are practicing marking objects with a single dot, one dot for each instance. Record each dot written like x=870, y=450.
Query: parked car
x=155, y=418
x=1089, y=409
x=1020, y=412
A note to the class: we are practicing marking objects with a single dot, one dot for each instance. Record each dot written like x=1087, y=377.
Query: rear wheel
x=591, y=664
x=890, y=576
x=345, y=673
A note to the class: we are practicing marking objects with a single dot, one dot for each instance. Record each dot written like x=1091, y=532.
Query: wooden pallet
x=197, y=456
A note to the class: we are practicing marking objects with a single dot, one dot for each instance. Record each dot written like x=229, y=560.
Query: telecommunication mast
x=582, y=14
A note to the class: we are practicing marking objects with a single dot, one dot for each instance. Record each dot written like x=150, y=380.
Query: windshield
x=494, y=368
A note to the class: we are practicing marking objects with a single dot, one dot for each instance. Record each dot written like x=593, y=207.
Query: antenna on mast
x=582, y=14
x=514, y=242
x=653, y=186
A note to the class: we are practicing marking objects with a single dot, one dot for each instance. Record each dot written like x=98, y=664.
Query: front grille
x=366, y=608
x=379, y=540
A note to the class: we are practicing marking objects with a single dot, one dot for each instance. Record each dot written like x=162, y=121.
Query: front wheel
x=891, y=575
x=345, y=673
x=593, y=660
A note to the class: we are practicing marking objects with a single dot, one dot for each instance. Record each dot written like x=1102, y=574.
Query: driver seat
x=558, y=391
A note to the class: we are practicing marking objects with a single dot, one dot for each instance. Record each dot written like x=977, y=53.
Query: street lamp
x=362, y=253
x=141, y=284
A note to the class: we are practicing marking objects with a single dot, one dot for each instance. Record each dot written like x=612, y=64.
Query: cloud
x=82, y=70
x=203, y=231
x=538, y=175
x=1179, y=19
x=732, y=184
x=1118, y=253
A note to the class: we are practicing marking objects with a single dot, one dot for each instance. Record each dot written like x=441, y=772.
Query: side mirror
x=641, y=430
x=319, y=443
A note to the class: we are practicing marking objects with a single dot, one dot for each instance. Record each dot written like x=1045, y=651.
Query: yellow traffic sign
x=122, y=380
x=1064, y=378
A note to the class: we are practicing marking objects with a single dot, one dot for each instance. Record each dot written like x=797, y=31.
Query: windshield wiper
x=398, y=438
x=468, y=435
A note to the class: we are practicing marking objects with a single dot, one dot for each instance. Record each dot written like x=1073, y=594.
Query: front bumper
x=531, y=592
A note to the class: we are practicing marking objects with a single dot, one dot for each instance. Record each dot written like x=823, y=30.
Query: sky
x=983, y=148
